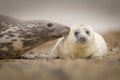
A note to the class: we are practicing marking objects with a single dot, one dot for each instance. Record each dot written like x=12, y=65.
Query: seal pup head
x=81, y=34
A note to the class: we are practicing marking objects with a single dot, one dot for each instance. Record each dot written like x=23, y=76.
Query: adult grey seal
x=17, y=36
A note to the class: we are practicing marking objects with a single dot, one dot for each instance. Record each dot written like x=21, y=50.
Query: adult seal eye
x=49, y=24
x=88, y=32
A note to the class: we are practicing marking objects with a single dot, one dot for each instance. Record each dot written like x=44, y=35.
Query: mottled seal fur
x=82, y=42
x=17, y=37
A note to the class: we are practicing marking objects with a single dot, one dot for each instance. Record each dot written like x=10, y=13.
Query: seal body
x=82, y=42
x=17, y=37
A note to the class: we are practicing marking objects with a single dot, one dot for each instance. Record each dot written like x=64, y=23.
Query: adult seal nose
x=67, y=29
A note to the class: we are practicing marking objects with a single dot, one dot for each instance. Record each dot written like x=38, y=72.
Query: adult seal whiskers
x=17, y=37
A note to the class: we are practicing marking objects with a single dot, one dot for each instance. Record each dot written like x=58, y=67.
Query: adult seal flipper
x=17, y=37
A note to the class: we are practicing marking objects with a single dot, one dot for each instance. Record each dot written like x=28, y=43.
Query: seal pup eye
x=49, y=24
x=76, y=32
x=88, y=32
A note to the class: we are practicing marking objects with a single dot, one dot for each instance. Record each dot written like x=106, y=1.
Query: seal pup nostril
x=82, y=39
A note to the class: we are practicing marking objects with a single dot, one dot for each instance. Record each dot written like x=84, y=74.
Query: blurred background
x=103, y=15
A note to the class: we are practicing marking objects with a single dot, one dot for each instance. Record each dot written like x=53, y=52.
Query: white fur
x=67, y=47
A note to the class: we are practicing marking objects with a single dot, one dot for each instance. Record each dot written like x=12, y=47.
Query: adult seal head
x=17, y=37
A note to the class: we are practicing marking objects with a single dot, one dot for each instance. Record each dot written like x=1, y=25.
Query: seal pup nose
x=82, y=39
